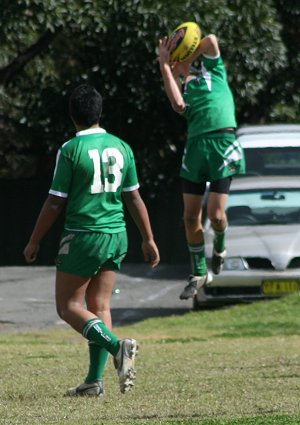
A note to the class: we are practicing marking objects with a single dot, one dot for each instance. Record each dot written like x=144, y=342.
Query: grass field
x=239, y=365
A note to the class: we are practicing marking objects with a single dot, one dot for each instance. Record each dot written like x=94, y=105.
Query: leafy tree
x=50, y=47
x=286, y=105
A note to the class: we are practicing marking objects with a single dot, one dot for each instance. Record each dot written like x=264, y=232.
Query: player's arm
x=139, y=213
x=171, y=86
x=51, y=210
x=208, y=46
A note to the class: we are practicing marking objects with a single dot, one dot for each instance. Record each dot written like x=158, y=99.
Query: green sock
x=98, y=361
x=219, y=240
x=96, y=331
x=198, y=260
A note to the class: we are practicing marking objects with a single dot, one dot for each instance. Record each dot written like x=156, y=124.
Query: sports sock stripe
x=89, y=325
x=196, y=248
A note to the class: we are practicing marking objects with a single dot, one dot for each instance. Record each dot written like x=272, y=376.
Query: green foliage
x=287, y=101
x=112, y=44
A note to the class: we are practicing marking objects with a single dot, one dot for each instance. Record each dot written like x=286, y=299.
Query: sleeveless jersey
x=209, y=100
x=92, y=170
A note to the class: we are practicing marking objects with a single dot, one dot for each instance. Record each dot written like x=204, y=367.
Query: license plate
x=280, y=286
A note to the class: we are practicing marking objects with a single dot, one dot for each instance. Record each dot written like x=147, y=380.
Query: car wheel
x=200, y=301
x=196, y=305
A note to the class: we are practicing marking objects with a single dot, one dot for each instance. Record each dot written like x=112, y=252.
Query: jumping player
x=94, y=171
x=212, y=153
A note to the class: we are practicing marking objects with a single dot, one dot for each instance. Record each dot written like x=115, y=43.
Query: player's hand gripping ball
x=184, y=41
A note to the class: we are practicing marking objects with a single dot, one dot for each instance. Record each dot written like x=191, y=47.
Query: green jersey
x=208, y=98
x=92, y=170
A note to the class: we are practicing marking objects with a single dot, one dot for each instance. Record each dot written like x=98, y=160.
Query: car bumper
x=238, y=286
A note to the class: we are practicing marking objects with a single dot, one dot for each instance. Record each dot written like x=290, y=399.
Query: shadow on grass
x=162, y=271
x=126, y=316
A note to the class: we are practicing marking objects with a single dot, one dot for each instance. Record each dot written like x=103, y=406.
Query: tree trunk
x=16, y=65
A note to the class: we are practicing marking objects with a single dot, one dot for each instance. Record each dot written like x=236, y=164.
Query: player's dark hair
x=85, y=105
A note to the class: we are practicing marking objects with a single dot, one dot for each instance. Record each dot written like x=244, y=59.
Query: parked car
x=271, y=149
x=263, y=242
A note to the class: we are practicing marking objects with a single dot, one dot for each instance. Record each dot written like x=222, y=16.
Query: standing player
x=93, y=171
x=212, y=153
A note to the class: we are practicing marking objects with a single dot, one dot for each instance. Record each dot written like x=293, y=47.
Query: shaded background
x=23, y=199
x=48, y=48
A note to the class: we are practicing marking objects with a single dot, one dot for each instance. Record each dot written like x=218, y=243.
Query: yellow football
x=184, y=41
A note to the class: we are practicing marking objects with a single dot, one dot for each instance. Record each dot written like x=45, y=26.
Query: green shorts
x=84, y=253
x=213, y=157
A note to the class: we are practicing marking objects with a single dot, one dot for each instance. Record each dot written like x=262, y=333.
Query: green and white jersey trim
x=88, y=131
x=92, y=170
x=57, y=193
x=206, y=74
x=208, y=98
x=130, y=188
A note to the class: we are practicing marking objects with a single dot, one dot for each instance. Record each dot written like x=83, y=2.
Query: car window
x=273, y=161
x=261, y=207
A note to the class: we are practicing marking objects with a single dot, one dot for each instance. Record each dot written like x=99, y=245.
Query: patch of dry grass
x=211, y=368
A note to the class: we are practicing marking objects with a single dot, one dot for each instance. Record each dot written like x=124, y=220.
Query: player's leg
x=99, y=292
x=70, y=296
x=112, y=249
x=70, y=300
x=124, y=361
x=70, y=303
x=217, y=201
x=98, y=298
x=78, y=260
x=193, y=199
x=226, y=160
x=82, y=255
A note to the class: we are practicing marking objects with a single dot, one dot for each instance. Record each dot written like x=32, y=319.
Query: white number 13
x=113, y=162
